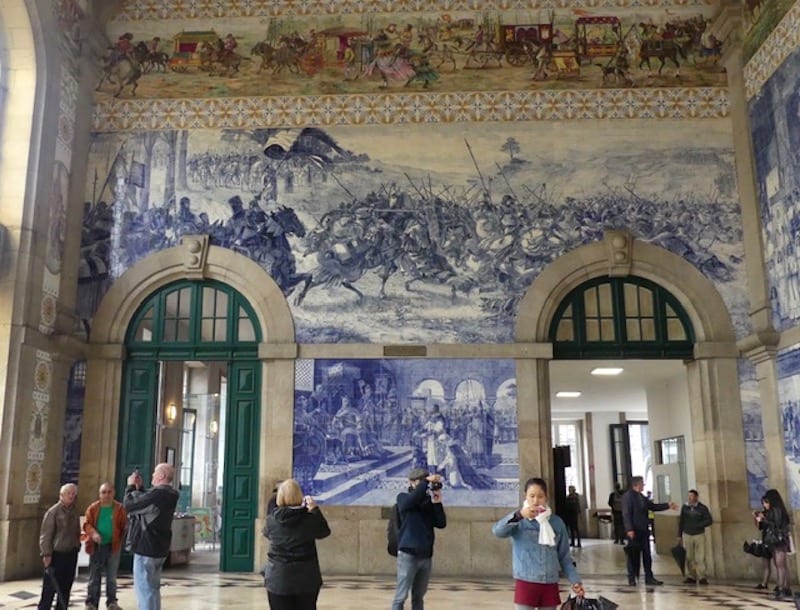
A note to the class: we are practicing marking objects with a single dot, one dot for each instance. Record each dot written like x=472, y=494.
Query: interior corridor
x=200, y=586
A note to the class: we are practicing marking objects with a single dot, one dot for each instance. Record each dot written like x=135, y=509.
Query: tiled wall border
x=143, y=10
x=784, y=39
x=387, y=109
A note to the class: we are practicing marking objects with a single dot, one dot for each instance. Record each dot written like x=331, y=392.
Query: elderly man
x=104, y=527
x=59, y=542
x=150, y=532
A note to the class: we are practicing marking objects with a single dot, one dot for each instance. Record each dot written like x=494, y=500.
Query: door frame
x=196, y=259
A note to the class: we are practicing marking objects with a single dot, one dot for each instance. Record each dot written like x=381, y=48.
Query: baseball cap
x=418, y=473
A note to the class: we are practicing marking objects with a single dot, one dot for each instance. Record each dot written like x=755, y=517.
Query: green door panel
x=137, y=422
x=240, y=507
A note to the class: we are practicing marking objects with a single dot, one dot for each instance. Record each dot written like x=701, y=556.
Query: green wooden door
x=240, y=507
x=208, y=321
x=137, y=422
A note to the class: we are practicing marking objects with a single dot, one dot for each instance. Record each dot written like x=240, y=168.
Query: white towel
x=546, y=534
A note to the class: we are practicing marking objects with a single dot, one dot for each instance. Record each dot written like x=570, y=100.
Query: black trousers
x=640, y=553
x=58, y=580
x=305, y=601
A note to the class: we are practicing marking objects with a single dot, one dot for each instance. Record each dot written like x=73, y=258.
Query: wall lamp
x=172, y=413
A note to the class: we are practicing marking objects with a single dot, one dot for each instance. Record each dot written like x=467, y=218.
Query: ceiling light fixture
x=564, y=394
x=606, y=371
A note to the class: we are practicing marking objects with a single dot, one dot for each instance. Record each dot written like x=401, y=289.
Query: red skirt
x=536, y=594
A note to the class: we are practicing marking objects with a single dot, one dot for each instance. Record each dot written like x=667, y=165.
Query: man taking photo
x=420, y=512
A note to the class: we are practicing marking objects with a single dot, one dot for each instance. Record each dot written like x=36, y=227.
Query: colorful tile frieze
x=783, y=40
x=548, y=105
x=142, y=10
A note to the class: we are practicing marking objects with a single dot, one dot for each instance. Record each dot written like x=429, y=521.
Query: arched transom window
x=621, y=318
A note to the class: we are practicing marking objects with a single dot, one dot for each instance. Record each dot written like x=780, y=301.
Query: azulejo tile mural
x=335, y=51
x=775, y=121
x=754, y=447
x=242, y=113
x=782, y=41
x=434, y=240
x=361, y=425
x=788, y=395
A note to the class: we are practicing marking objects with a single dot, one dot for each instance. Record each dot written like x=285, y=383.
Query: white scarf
x=546, y=534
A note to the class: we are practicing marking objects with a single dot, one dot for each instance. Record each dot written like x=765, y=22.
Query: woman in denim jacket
x=540, y=550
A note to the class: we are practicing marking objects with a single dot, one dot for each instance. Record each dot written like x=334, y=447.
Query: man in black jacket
x=420, y=512
x=151, y=515
x=635, y=506
x=695, y=518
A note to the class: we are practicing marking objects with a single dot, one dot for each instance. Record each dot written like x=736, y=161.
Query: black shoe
x=702, y=581
x=653, y=581
x=762, y=586
x=689, y=581
x=631, y=581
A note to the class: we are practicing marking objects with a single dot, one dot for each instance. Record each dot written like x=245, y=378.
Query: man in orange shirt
x=104, y=527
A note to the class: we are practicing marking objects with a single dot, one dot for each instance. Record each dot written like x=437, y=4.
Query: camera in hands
x=436, y=485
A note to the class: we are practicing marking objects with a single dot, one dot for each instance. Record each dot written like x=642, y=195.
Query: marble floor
x=200, y=586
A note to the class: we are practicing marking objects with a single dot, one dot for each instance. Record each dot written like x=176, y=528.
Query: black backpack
x=393, y=531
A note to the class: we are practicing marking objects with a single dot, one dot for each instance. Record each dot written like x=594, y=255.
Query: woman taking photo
x=292, y=576
x=539, y=551
x=774, y=521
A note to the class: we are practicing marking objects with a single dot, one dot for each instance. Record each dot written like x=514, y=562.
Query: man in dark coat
x=635, y=506
x=150, y=531
x=420, y=512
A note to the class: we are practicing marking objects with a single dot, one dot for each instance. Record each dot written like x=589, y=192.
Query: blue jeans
x=413, y=574
x=147, y=581
x=102, y=560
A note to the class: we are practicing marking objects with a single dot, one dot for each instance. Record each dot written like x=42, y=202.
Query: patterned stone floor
x=200, y=586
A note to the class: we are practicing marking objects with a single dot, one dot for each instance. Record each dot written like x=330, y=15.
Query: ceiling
x=622, y=393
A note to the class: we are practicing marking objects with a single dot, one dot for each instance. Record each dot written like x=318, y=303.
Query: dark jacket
x=152, y=510
x=293, y=566
x=635, y=506
x=418, y=517
x=776, y=527
x=694, y=519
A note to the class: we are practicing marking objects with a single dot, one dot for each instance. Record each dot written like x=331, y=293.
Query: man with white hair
x=59, y=543
x=150, y=531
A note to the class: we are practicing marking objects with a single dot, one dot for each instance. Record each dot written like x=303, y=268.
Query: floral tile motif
x=488, y=106
x=143, y=10
x=784, y=39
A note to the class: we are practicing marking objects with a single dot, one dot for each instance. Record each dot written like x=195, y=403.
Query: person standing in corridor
x=695, y=518
x=635, y=507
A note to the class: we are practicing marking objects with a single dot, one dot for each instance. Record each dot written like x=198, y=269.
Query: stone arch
x=194, y=259
x=157, y=270
x=696, y=293
x=714, y=395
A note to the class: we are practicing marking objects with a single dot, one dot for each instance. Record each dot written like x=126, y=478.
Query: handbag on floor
x=588, y=603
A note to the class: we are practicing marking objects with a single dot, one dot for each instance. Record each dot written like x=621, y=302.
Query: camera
x=436, y=485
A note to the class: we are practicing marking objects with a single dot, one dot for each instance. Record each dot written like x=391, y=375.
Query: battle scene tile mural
x=410, y=233
x=361, y=425
x=464, y=49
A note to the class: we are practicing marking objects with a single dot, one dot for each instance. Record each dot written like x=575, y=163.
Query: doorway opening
x=619, y=388
x=191, y=397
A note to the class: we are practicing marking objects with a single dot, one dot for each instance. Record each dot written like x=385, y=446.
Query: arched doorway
x=711, y=369
x=122, y=368
x=196, y=321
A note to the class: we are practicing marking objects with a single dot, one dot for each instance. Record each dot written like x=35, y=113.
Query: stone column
x=534, y=417
x=716, y=413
